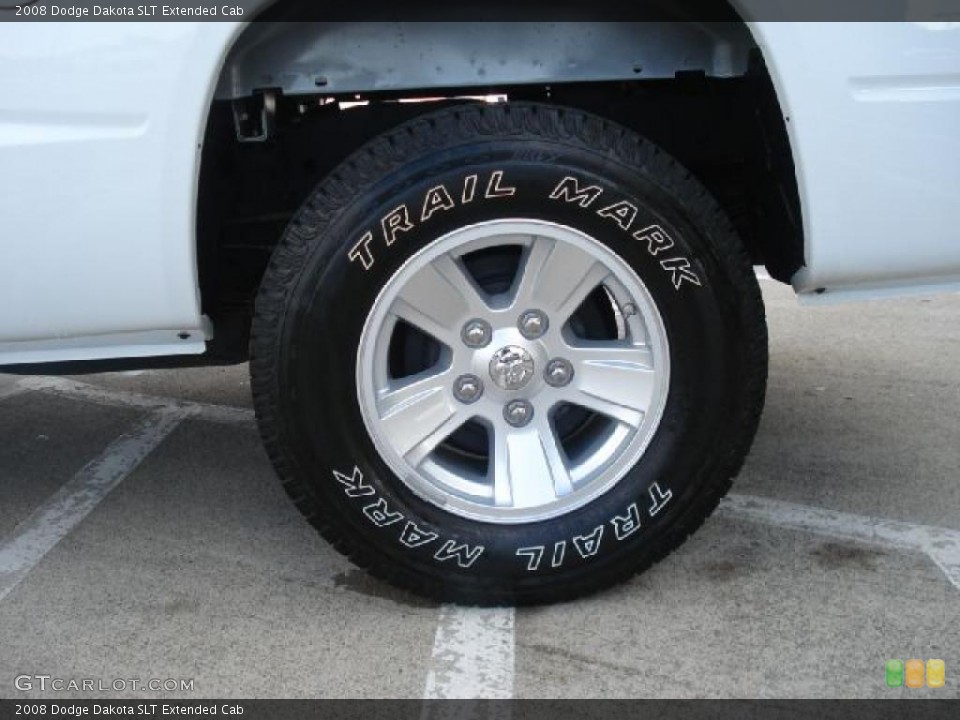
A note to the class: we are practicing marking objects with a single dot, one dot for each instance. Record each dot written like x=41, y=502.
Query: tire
x=330, y=361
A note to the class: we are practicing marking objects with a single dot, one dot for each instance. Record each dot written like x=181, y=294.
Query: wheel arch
x=390, y=60
x=339, y=58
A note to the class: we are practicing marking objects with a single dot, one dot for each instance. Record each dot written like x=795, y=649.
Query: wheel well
x=267, y=146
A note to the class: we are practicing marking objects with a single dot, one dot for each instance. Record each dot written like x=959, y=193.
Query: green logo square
x=894, y=673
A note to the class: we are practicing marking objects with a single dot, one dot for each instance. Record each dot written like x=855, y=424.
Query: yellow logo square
x=936, y=673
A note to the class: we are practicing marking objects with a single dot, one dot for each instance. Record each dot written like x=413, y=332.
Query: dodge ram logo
x=511, y=367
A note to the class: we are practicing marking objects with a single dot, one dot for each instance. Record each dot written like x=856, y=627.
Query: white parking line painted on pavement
x=51, y=522
x=473, y=654
x=93, y=393
x=223, y=414
x=940, y=544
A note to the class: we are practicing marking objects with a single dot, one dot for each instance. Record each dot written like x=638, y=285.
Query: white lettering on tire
x=462, y=553
x=680, y=271
x=534, y=555
x=660, y=498
x=412, y=535
x=361, y=251
x=396, y=221
x=354, y=484
x=656, y=238
x=469, y=188
x=559, y=550
x=495, y=189
x=626, y=525
x=437, y=198
x=569, y=189
x=588, y=545
x=624, y=214
x=380, y=515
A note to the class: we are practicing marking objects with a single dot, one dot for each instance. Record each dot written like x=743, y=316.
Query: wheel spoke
x=439, y=299
x=613, y=380
x=529, y=469
x=419, y=415
x=509, y=357
x=557, y=278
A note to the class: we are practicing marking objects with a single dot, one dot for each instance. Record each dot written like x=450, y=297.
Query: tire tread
x=445, y=128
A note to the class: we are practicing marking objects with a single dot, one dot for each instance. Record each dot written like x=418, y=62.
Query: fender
x=98, y=193
x=871, y=111
x=111, y=152
x=867, y=106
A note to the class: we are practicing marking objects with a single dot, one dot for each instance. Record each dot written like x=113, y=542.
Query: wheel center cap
x=511, y=367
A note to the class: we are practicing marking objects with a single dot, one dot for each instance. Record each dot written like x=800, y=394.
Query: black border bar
x=930, y=11
x=486, y=709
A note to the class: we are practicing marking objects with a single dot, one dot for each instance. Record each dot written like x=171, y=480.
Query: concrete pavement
x=190, y=563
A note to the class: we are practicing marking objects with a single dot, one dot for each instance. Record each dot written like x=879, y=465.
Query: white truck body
x=101, y=128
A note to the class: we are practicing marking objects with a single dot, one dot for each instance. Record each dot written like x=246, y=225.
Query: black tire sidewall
x=333, y=295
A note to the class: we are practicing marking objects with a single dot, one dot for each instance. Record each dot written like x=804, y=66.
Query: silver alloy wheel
x=531, y=471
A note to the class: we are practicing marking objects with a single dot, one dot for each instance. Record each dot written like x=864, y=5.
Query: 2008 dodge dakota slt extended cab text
x=494, y=280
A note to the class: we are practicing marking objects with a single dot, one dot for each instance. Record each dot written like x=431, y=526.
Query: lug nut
x=559, y=372
x=476, y=334
x=467, y=389
x=518, y=412
x=532, y=324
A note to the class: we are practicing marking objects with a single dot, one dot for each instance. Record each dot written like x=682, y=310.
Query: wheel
x=508, y=354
